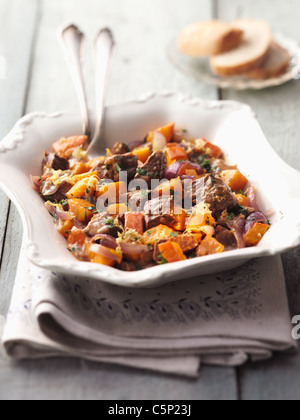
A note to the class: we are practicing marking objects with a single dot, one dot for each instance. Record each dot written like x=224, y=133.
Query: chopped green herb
x=141, y=172
x=118, y=168
x=174, y=234
x=108, y=167
x=161, y=260
x=109, y=222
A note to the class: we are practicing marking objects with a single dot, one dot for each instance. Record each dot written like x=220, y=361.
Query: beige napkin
x=225, y=319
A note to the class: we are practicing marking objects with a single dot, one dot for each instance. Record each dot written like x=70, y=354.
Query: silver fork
x=72, y=42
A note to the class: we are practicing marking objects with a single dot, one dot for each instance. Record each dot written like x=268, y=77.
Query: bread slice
x=275, y=64
x=204, y=39
x=251, y=52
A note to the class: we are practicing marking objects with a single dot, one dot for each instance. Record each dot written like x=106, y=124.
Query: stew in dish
x=156, y=201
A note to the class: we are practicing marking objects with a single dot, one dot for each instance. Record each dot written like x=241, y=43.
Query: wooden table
x=37, y=80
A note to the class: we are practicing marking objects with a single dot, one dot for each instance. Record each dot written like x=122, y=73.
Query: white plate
x=231, y=125
x=199, y=68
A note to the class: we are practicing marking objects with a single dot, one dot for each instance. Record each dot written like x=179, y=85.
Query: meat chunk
x=102, y=224
x=120, y=149
x=137, y=199
x=215, y=192
x=114, y=165
x=55, y=193
x=154, y=168
x=226, y=237
x=160, y=211
x=52, y=161
x=188, y=243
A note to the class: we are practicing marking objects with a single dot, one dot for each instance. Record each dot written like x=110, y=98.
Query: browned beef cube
x=215, y=192
x=154, y=168
x=120, y=149
x=53, y=162
x=119, y=163
x=160, y=211
x=102, y=224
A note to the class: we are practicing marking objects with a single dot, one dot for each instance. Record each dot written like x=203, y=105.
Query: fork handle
x=72, y=42
x=104, y=51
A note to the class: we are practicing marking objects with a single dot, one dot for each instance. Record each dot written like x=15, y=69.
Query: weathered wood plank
x=17, y=26
x=16, y=39
x=143, y=31
x=277, y=111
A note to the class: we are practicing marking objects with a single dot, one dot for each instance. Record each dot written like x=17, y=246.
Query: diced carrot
x=209, y=246
x=167, y=131
x=242, y=200
x=157, y=233
x=85, y=186
x=234, y=179
x=65, y=146
x=135, y=221
x=143, y=153
x=77, y=236
x=113, y=191
x=171, y=252
x=116, y=209
x=255, y=234
x=65, y=227
x=82, y=209
x=174, y=154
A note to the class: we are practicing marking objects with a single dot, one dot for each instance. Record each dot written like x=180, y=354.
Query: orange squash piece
x=116, y=209
x=65, y=228
x=209, y=246
x=234, y=179
x=113, y=191
x=255, y=234
x=65, y=146
x=135, y=221
x=143, y=153
x=85, y=186
x=77, y=236
x=167, y=131
x=202, y=217
x=242, y=200
x=82, y=209
x=171, y=252
x=174, y=154
x=157, y=233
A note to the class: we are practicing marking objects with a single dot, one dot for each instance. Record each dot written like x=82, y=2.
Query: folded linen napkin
x=223, y=319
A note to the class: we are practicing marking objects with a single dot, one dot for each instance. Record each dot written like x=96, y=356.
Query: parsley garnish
x=161, y=259
x=141, y=172
x=174, y=234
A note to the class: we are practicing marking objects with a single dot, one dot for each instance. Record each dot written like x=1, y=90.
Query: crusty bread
x=275, y=64
x=204, y=39
x=251, y=52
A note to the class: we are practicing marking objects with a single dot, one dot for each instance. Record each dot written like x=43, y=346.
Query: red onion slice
x=105, y=252
x=175, y=169
x=135, y=144
x=254, y=218
x=251, y=195
x=106, y=240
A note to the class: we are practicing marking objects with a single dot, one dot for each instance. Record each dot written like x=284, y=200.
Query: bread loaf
x=208, y=38
x=249, y=54
x=275, y=64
